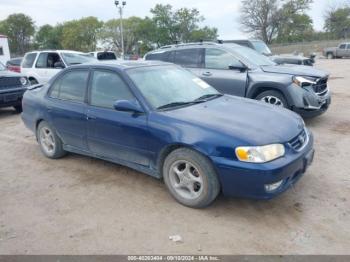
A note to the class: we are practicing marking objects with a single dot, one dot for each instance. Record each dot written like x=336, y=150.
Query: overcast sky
x=222, y=14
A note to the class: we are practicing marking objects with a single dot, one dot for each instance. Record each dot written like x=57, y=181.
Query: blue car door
x=67, y=108
x=114, y=134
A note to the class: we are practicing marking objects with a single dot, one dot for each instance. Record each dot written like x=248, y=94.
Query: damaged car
x=162, y=120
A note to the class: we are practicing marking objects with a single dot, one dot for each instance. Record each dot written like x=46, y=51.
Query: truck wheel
x=330, y=56
x=190, y=178
x=273, y=98
x=50, y=144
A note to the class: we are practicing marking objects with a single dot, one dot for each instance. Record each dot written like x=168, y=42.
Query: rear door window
x=189, y=57
x=71, y=86
x=47, y=60
x=106, y=56
x=28, y=60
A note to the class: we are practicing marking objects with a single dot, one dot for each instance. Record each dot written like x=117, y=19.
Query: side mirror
x=238, y=66
x=128, y=106
x=59, y=65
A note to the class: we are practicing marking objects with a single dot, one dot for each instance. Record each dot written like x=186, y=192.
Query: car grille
x=320, y=87
x=298, y=142
x=9, y=82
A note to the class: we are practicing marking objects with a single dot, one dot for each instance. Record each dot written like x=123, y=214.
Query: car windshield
x=2, y=67
x=253, y=58
x=77, y=58
x=261, y=47
x=170, y=86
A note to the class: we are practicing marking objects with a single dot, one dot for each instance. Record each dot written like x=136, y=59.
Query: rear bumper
x=248, y=180
x=11, y=97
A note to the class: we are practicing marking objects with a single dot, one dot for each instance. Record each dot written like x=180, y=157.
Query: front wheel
x=273, y=98
x=190, y=178
x=50, y=144
x=330, y=56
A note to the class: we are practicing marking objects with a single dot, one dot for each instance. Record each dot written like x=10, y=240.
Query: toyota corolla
x=162, y=120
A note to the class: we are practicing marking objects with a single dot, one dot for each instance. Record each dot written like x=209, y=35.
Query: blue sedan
x=161, y=120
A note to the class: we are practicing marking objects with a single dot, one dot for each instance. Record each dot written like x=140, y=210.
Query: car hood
x=247, y=120
x=7, y=73
x=296, y=70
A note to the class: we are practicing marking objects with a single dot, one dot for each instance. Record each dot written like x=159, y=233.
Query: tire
x=199, y=185
x=18, y=109
x=33, y=81
x=274, y=98
x=50, y=144
x=330, y=56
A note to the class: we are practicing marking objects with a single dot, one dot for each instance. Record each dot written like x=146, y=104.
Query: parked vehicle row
x=237, y=70
x=162, y=120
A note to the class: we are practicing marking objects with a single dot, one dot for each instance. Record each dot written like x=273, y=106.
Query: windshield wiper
x=174, y=104
x=207, y=97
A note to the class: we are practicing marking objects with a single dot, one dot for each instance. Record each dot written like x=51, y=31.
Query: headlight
x=303, y=81
x=23, y=81
x=259, y=154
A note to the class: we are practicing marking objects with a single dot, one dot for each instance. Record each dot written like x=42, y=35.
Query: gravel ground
x=79, y=205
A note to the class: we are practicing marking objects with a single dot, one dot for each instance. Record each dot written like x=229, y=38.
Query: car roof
x=120, y=64
x=54, y=50
x=193, y=45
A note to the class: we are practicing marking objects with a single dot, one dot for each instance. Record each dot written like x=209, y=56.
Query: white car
x=41, y=66
x=104, y=55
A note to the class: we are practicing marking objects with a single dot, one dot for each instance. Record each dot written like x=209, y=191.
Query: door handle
x=207, y=74
x=90, y=117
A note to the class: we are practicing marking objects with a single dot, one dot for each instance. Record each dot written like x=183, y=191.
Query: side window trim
x=59, y=79
x=89, y=89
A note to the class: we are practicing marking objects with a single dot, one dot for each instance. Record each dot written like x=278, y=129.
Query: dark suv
x=241, y=71
x=12, y=87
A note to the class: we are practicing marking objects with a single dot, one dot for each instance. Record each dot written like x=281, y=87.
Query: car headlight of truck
x=24, y=81
x=260, y=154
x=303, y=81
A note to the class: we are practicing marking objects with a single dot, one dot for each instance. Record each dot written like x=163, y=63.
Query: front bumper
x=307, y=103
x=248, y=180
x=11, y=97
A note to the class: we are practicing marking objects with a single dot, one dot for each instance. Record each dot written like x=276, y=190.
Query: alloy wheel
x=272, y=100
x=185, y=179
x=47, y=140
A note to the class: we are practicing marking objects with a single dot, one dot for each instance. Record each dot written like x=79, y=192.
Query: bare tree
x=260, y=17
x=265, y=18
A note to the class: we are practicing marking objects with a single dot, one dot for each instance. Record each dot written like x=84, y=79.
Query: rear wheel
x=190, y=178
x=50, y=144
x=273, y=98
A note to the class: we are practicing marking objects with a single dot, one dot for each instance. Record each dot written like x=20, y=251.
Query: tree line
x=286, y=21
x=166, y=26
x=274, y=21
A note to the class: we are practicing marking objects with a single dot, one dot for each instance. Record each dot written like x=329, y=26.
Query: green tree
x=49, y=37
x=138, y=34
x=337, y=22
x=20, y=29
x=82, y=34
x=181, y=25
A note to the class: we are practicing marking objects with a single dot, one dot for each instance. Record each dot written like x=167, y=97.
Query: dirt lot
x=78, y=205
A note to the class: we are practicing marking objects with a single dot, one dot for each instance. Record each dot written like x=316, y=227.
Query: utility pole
x=120, y=7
